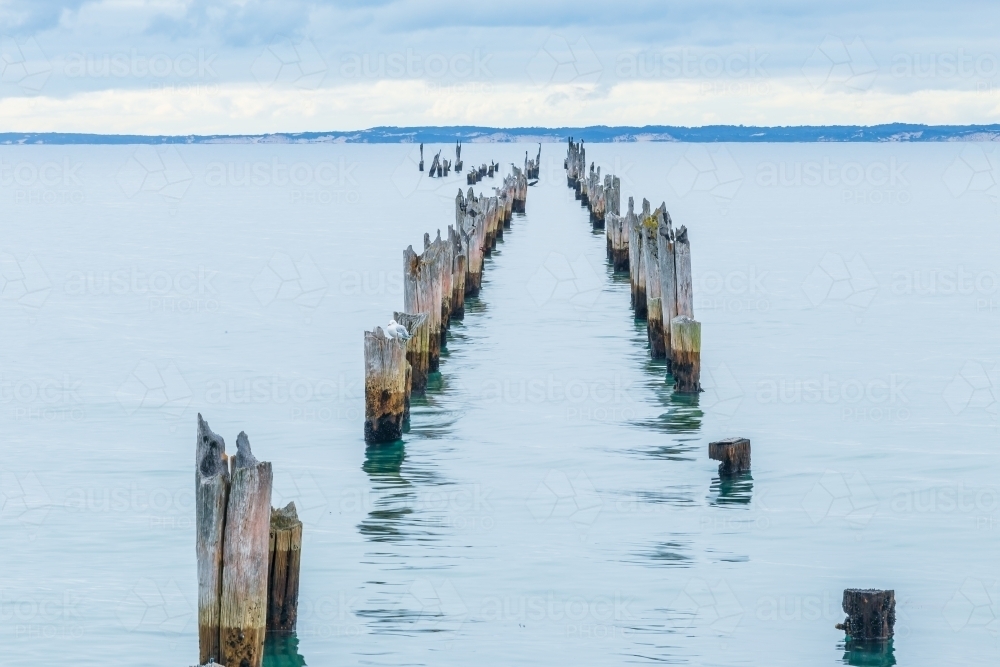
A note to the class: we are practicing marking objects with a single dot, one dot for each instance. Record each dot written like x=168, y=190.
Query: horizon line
x=885, y=132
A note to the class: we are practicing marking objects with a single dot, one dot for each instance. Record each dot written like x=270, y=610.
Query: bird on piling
x=397, y=331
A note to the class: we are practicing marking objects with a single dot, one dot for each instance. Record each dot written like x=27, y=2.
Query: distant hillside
x=594, y=134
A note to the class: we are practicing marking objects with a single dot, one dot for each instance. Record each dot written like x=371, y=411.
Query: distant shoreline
x=893, y=132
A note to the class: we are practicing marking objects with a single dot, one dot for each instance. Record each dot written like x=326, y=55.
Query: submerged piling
x=637, y=272
x=668, y=276
x=385, y=387
x=285, y=555
x=417, y=348
x=422, y=294
x=733, y=453
x=651, y=265
x=212, y=484
x=685, y=354
x=245, y=559
x=871, y=614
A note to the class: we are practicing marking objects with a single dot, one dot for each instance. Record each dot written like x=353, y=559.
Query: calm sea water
x=553, y=502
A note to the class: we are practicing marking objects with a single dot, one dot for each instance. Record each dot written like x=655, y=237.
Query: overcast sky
x=249, y=66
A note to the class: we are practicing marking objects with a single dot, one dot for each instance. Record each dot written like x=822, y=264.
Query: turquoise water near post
x=552, y=501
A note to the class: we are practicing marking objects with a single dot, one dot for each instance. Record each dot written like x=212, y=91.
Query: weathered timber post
x=457, y=273
x=636, y=269
x=421, y=166
x=473, y=232
x=520, y=189
x=654, y=304
x=417, y=348
x=283, y=570
x=668, y=276
x=685, y=354
x=436, y=165
x=508, y=192
x=385, y=387
x=422, y=294
x=211, y=498
x=871, y=614
x=734, y=454
x=442, y=266
x=489, y=241
x=599, y=210
x=682, y=259
x=581, y=171
x=617, y=241
x=614, y=202
x=245, y=559
x=458, y=157
x=446, y=261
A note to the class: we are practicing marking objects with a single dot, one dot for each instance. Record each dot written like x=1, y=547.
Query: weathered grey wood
x=521, y=190
x=211, y=497
x=637, y=272
x=871, y=614
x=617, y=241
x=685, y=354
x=444, y=268
x=668, y=278
x=422, y=294
x=458, y=157
x=245, y=559
x=385, y=387
x=473, y=233
x=285, y=555
x=457, y=271
x=682, y=259
x=417, y=348
x=651, y=265
x=734, y=454
x=421, y=166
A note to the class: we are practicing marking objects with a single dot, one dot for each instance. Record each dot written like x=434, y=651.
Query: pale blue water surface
x=553, y=502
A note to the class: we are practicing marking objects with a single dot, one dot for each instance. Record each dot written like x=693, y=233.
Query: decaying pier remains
x=436, y=282
x=248, y=553
x=658, y=260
